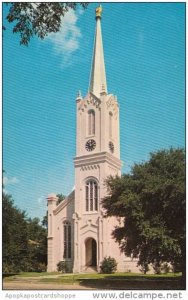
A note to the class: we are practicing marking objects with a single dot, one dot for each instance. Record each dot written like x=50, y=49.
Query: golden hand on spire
x=98, y=11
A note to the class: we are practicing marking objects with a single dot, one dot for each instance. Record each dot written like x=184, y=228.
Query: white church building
x=78, y=233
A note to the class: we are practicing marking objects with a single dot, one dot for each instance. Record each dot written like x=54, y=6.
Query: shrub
x=144, y=268
x=41, y=267
x=166, y=268
x=157, y=268
x=176, y=267
x=108, y=265
x=62, y=267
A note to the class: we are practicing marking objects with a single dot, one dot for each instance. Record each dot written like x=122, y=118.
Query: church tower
x=78, y=233
x=97, y=157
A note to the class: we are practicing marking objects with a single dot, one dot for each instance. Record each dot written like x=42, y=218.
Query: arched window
x=91, y=122
x=91, y=195
x=110, y=124
x=67, y=239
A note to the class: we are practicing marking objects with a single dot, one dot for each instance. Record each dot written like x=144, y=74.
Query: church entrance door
x=91, y=252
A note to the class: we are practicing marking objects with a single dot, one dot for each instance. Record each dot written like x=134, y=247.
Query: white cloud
x=66, y=41
x=5, y=191
x=10, y=180
x=41, y=199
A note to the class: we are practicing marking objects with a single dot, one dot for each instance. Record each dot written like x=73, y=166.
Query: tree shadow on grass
x=133, y=283
x=9, y=274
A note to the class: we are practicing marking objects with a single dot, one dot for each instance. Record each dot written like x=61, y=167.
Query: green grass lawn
x=126, y=281
x=36, y=274
x=76, y=277
x=117, y=275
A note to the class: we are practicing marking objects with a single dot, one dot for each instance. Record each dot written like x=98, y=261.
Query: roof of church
x=98, y=75
x=65, y=202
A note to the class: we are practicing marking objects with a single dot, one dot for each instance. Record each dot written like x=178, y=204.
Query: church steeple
x=98, y=75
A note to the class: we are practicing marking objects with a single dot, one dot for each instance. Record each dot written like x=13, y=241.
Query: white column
x=51, y=235
x=76, y=266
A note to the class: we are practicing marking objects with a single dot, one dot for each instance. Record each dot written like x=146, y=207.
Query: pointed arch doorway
x=90, y=252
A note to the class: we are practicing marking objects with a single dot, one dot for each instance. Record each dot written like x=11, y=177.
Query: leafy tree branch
x=38, y=18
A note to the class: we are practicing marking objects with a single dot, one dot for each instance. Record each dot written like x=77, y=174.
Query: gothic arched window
x=91, y=195
x=67, y=239
x=110, y=124
x=91, y=122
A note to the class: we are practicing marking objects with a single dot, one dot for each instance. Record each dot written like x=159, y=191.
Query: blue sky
x=144, y=45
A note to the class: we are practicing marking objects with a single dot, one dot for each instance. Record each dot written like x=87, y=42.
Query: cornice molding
x=97, y=158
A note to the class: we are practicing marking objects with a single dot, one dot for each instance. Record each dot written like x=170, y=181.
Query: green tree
x=38, y=19
x=45, y=221
x=37, y=240
x=151, y=201
x=24, y=240
x=14, y=237
x=60, y=197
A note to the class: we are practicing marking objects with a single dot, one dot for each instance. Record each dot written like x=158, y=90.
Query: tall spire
x=98, y=74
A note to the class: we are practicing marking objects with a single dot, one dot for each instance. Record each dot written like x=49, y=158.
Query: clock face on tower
x=111, y=147
x=90, y=145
